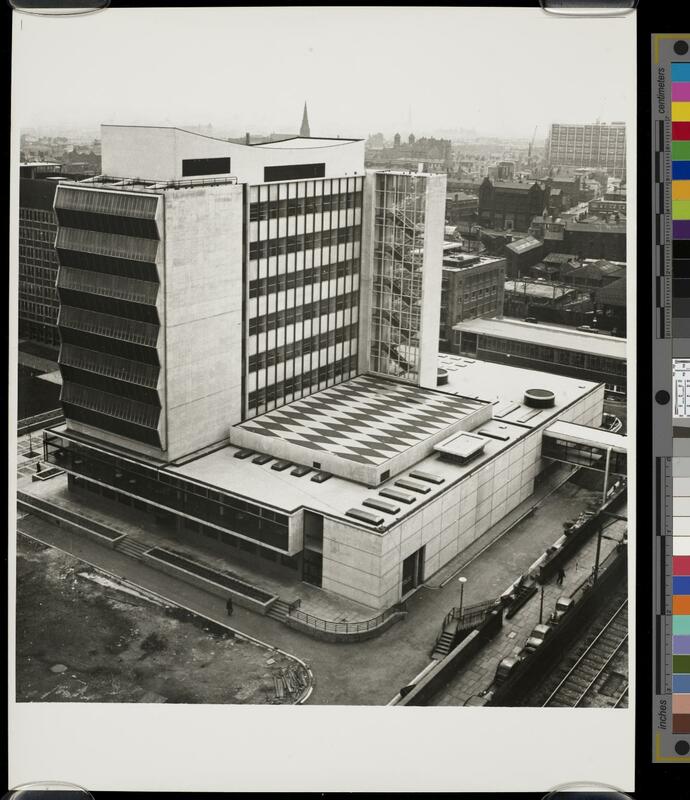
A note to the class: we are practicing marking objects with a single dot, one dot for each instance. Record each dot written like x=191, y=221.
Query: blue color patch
x=681, y=584
x=680, y=71
x=681, y=170
x=681, y=684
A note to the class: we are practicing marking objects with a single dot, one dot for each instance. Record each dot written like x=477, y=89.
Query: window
x=205, y=166
x=291, y=172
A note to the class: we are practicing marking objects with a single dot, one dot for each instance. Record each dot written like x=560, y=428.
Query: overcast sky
x=497, y=71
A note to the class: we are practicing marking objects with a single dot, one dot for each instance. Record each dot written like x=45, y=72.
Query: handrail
x=55, y=414
x=344, y=627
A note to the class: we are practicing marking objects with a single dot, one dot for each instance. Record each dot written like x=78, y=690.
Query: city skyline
x=342, y=81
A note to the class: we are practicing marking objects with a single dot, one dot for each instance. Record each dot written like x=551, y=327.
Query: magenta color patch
x=681, y=92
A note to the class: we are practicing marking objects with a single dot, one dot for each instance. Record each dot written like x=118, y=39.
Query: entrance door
x=413, y=571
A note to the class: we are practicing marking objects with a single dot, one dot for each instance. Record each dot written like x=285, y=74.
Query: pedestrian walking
x=228, y=606
x=561, y=576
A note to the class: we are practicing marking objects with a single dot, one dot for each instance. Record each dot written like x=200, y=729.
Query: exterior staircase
x=443, y=645
x=279, y=610
x=131, y=547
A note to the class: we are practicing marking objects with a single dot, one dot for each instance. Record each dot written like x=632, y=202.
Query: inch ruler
x=671, y=409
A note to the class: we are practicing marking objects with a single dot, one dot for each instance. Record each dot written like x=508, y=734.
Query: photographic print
x=322, y=360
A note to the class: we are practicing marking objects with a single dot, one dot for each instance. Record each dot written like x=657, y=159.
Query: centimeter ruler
x=671, y=445
x=663, y=231
x=663, y=568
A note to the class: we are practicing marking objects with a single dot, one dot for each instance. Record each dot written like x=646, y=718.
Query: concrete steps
x=278, y=611
x=443, y=645
x=131, y=547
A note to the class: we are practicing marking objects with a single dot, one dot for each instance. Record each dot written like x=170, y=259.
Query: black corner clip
x=588, y=8
x=58, y=8
x=586, y=791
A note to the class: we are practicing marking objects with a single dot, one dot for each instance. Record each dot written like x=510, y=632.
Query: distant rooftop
x=553, y=335
x=524, y=245
x=538, y=289
x=456, y=262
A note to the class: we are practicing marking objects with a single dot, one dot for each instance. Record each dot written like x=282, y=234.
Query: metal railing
x=360, y=626
x=469, y=616
x=30, y=424
x=150, y=185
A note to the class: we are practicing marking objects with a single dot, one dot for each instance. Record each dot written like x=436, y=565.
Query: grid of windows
x=470, y=294
x=291, y=316
x=303, y=277
x=305, y=383
x=397, y=275
x=565, y=362
x=37, y=273
x=302, y=347
x=597, y=145
x=304, y=264
x=295, y=206
x=304, y=241
x=191, y=499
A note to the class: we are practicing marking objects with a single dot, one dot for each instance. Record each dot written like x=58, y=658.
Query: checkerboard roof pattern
x=367, y=420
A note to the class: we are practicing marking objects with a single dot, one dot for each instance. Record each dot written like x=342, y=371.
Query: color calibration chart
x=671, y=417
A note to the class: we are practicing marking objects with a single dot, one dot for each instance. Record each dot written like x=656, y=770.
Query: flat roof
x=467, y=261
x=553, y=335
x=503, y=386
x=366, y=420
x=538, y=289
x=583, y=434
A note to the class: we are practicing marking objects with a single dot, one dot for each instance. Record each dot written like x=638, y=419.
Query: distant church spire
x=304, y=130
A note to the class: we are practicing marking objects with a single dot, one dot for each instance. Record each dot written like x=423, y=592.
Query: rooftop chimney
x=246, y=138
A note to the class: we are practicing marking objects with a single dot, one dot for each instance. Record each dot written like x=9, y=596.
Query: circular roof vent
x=540, y=398
x=441, y=376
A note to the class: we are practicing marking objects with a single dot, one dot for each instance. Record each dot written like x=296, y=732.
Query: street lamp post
x=462, y=581
x=541, y=605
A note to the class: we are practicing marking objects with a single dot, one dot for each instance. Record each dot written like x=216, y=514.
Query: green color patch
x=681, y=664
x=680, y=209
x=680, y=151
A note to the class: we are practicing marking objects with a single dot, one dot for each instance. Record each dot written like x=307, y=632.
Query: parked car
x=477, y=700
x=536, y=638
x=531, y=319
x=563, y=606
x=505, y=668
x=587, y=329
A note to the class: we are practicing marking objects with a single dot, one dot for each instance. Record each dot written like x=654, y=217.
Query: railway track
x=582, y=679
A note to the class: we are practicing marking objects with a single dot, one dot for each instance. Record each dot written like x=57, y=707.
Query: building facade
x=472, y=286
x=249, y=358
x=598, y=145
x=38, y=265
x=510, y=204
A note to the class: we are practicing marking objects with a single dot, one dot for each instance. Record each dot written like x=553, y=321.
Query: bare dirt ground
x=83, y=637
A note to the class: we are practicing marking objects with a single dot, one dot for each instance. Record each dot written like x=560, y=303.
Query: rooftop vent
x=540, y=398
x=441, y=377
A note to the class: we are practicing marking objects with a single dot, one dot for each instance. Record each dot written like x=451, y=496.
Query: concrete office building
x=38, y=264
x=555, y=349
x=472, y=286
x=598, y=145
x=249, y=356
